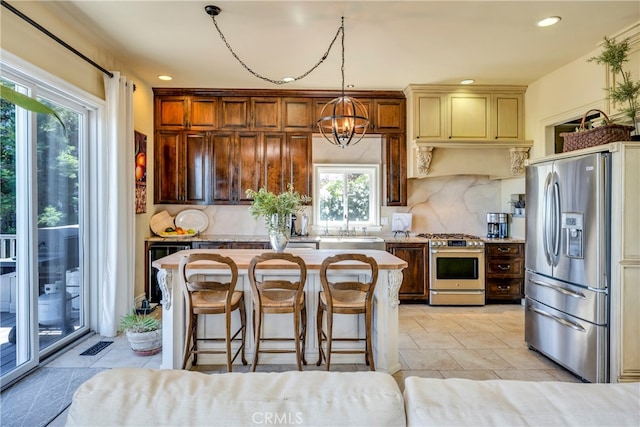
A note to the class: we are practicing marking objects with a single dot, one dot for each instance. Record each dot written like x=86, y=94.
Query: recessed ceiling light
x=351, y=86
x=288, y=79
x=165, y=77
x=547, y=22
x=467, y=81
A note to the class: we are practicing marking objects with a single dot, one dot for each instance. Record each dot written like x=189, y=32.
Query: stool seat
x=346, y=301
x=214, y=302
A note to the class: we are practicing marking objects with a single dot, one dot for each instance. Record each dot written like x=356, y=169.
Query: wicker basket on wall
x=604, y=134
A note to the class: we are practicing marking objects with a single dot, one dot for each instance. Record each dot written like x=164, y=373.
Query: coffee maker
x=497, y=225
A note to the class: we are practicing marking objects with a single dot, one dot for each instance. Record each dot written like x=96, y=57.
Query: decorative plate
x=192, y=219
x=174, y=234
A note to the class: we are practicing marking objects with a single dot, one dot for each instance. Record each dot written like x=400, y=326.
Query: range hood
x=504, y=159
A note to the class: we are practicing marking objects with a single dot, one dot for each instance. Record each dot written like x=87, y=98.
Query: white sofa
x=144, y=397
x=458, y=402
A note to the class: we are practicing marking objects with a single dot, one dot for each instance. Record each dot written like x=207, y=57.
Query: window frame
x=373, y=170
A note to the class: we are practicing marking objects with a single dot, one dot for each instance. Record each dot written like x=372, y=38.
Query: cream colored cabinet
x=507, y=116
x=625, y=262
x=468, y=116
x=460, y=113
x=448, y=124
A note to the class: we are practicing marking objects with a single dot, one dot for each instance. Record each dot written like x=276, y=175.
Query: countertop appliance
x=456, y=269
x=567, y=266
x=497, y=225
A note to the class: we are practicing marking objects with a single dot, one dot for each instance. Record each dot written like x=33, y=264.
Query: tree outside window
x=346, y=191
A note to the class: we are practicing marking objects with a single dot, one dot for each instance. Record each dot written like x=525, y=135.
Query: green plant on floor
x=625, y=93
x=133, y=322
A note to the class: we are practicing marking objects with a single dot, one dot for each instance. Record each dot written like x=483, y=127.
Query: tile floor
x=439, y=342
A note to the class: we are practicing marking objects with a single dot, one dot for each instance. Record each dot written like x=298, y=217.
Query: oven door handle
x=435, y=292
x=563, y=322
x=450, y=251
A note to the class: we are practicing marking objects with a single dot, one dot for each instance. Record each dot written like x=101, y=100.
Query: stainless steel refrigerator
x=567, y=262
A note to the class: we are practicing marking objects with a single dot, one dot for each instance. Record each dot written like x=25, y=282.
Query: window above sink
x=346, y=197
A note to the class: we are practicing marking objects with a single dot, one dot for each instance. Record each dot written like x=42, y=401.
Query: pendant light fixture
x=344, y=119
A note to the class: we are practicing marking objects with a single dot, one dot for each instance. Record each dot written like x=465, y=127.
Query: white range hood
x=494, y=159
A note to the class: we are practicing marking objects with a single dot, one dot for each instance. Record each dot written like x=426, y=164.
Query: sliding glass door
x=43, y=300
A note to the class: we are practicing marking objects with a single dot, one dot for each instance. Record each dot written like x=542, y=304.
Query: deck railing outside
x=7, y=245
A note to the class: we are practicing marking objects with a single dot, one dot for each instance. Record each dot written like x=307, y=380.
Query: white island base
x=385, y=311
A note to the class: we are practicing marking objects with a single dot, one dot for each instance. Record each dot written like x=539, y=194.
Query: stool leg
x=369, y=356
x=257, y=325
x=227, y=317
x=319, y=329
x=304, y=331
x=243, y=325
x=296, y=333
x=329, y=337
x=187, y=341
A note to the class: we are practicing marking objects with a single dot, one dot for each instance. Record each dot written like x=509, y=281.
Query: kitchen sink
x=351, y=242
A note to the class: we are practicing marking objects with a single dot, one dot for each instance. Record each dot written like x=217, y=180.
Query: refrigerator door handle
x=546, y=207
x=557, y=219
x=559, y=289
x=563, y=322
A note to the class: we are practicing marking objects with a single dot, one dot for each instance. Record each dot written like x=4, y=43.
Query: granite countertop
x=227, y=238
x=314, y=238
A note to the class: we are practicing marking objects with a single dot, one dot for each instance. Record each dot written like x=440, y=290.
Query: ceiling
x=388, y=44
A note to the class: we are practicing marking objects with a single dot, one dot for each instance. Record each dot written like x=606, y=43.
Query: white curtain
x=116, y=209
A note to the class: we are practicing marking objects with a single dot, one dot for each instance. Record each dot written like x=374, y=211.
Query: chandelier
x=343, y=120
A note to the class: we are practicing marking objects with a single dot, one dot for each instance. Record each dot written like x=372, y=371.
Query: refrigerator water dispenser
x=573, y=232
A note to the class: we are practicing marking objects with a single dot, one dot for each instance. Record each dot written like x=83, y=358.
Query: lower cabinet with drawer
x=504, y=271
x=415, y=278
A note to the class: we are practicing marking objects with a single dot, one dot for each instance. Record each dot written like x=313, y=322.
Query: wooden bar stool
x=277, y=296
x=204, y=296
x=346, y=297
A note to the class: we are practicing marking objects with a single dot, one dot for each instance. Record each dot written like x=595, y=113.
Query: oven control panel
x=456, y=243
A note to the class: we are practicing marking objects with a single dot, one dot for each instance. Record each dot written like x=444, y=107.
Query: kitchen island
x=385, y=309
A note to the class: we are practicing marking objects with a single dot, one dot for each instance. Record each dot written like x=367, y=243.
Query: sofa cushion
x=182, y=398
x=438, y=402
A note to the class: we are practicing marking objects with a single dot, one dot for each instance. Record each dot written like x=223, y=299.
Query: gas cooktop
x=449, y=236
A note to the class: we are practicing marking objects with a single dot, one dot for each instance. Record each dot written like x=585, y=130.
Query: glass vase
x=279, y=232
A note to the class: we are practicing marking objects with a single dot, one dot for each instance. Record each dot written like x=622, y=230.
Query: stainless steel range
x=456, y=269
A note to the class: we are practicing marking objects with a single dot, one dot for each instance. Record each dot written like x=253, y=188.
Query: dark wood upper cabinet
x=298, y=163
x=186, y=113
x=234, y=113
x=297, y=115
x=246, y=165
x=274, y=147
x=266, y=114
x=182, y=167
x=389, y=115
x=395, y=153
x=221, y=166
x=214, y=144
x=250, y=113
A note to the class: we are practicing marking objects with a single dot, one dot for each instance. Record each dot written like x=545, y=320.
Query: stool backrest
x=189, y=266
x=263, y=261
x=367, y=287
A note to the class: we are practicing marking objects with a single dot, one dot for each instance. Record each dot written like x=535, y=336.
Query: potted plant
x=144, y=332
x=276, y=209
x=626, y=92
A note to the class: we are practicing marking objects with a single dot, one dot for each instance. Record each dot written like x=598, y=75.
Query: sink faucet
x=326, y=228
x=346, y=218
